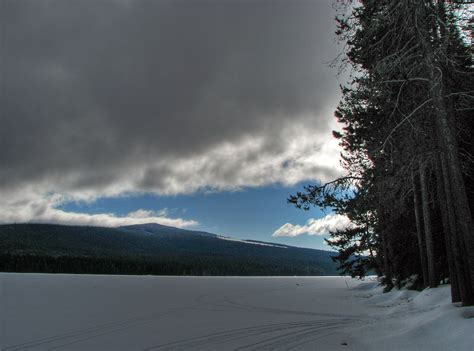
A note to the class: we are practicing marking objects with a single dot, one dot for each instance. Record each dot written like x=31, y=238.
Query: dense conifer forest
x=149, y=249
x=407, y=143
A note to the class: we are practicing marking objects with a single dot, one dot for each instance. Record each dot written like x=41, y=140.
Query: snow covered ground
x=85, y=312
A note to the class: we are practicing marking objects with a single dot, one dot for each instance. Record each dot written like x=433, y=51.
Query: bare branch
x=404, y=120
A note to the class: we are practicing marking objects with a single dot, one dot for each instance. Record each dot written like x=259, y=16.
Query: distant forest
x=408, y=146
x=149, y=249
x=203, y=266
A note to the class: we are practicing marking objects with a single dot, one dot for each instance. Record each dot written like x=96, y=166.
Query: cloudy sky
x=199, y=114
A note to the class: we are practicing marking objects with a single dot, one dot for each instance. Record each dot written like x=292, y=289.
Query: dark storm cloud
x=95, y=90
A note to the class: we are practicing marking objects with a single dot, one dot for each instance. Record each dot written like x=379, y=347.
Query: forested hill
x=150, y=249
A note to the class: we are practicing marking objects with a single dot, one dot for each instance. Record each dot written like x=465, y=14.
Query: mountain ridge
x=159, y=246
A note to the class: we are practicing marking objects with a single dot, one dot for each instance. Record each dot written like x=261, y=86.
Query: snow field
x=93, y=312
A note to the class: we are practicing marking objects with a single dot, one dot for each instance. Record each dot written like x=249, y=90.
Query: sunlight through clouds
x=146, y=103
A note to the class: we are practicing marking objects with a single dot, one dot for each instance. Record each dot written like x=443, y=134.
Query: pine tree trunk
x=419, y=231
x=447, y=143
x=385, y=255
x=460, y=257
x=457, y=193
x=448, y=233
x=425, y=205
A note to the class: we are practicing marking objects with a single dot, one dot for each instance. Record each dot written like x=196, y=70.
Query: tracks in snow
x=307, y=328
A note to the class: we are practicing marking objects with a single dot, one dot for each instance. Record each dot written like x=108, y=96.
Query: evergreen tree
x=407, y=146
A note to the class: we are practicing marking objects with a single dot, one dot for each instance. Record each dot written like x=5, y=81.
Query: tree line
x=408, y=151
x=195, y=266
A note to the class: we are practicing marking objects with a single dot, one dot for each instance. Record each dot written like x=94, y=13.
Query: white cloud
x=43, y=209
x=296, y=153
x=110, y=219
x=141, y=213
x=303, y=154
x=320, y=226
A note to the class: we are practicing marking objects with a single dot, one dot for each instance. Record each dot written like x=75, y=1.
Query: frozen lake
x=91, y=312
x=86, y=312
